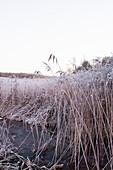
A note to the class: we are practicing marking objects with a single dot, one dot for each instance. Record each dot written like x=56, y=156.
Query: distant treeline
x=20, y=75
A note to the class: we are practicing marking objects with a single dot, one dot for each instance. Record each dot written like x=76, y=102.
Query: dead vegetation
x=77, y=110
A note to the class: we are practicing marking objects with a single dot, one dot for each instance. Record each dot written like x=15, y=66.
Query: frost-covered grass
x=77, y=109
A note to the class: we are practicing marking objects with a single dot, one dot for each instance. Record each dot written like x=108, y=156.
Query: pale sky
x=30, y=30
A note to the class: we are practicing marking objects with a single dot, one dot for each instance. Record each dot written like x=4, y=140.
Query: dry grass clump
x=85, y=118
x=76, y=109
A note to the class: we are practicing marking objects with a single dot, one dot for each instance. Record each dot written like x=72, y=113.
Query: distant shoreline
x=21, y=75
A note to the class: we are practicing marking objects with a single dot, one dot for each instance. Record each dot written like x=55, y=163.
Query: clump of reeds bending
x=84, y=118
x=76, y=109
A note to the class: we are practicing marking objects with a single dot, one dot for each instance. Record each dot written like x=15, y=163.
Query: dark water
x=26, y=139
